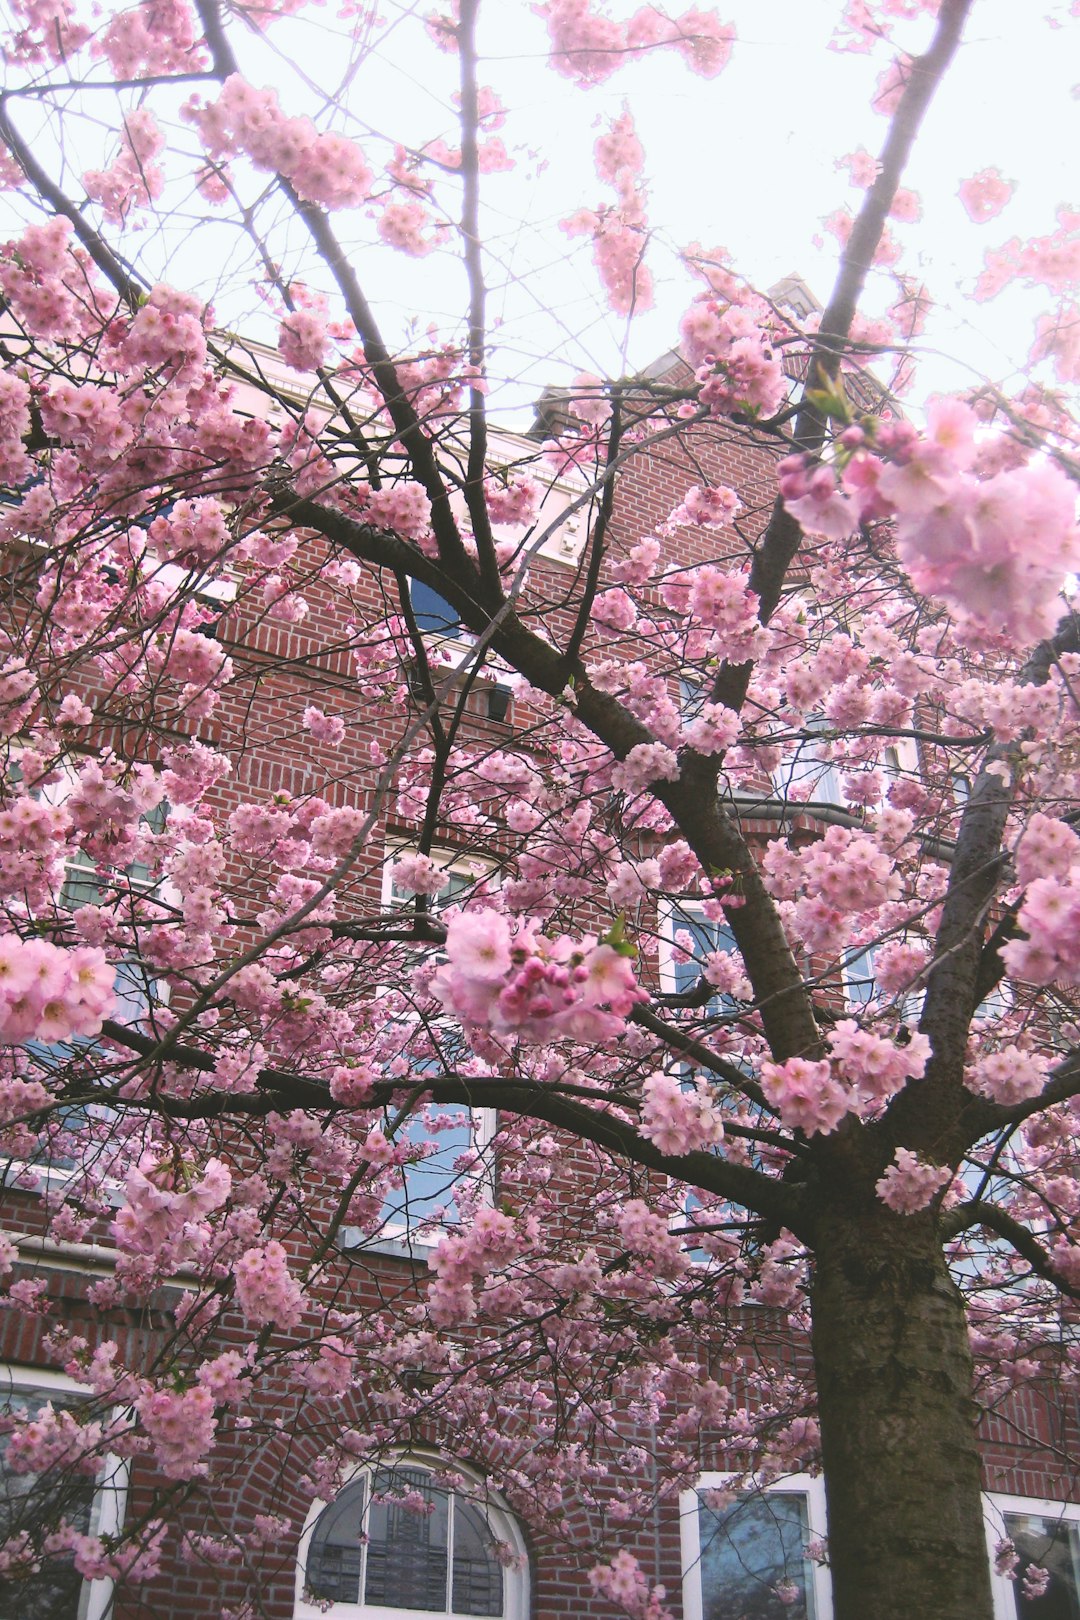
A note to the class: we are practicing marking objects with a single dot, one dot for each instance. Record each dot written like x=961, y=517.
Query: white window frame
x=810, y=1486
x=503, y=1523
x=995, y=1506
x=110, y=1489
x=805, y=762
x=56, y=795
x=518, y=454
x=671, y=916
x=220, y=590
x=507, y=450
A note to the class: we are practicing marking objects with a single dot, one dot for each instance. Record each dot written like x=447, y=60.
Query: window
x=450, y=1141
x=692, y=697
x=1046, y=1535
x=398, y=1541
x=436, y=617
x=433, y=613
x=136, y=991
x=737, y=1551
x=82, y=885
x=859, y=981
x=745, y=1558
x=961, y=788
x=808, y=771
x=680, y=970
x=444, y=1134
x=95, y=1505
x=861, y=986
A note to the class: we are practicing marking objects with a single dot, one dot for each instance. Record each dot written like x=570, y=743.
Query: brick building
x=470, y=1552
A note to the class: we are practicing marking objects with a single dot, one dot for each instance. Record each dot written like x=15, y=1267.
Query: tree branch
x=278, y=1088
x=995, y=1219
x=121, y=276
x=474, y=271
x=937, y=1111
x=783, y=536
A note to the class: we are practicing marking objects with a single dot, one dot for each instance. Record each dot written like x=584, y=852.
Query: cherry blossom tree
x=754, y=1046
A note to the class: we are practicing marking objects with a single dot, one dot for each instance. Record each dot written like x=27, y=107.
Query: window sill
x=416, y=1250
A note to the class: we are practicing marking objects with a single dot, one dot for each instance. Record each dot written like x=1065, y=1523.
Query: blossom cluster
x=995, y=545
x=133, y=180
x=324, y=167
x=1047, y=861
x=985, y=194
x=182, y=1426
x=51, y=994
x=463, y=1259
x=32, y=832
x=52, y=1437
x=163, y=1220
x=909, y=1184
x=619, y=233
x=863, y=1071
x=265, y=1288
x=508, y=978
x=302, y=339
x=705, y=506
x=736, y=361
x=49, y=282
x=589, y=46
x=677, y=1118
x=624, y=1583
x=721, y=605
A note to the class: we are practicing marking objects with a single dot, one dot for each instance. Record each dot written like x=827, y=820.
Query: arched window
x=399, y=1542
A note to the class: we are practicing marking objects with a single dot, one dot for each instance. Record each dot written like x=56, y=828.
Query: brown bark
x=898, y=1423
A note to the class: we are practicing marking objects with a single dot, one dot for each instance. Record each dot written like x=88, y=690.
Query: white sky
x=745, y=161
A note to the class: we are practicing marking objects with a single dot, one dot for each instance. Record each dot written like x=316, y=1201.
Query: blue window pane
x=707, y=937
x=692, y=698
x=747, y=1550
x=692, y=1212
x=134, y=992
x=427, y=1186
x=806, y=773
x=425, y=1191
x=433, y=613
x=859, y=978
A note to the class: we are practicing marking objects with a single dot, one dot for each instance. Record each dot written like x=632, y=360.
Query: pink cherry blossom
x=909, y=1184
x=302, y=339
x=1009, y=1075
x=182, y=1427
x=267, y=1293
x=478, y=945
x=985, y=194
x=679, y=1120
x=806, y=1095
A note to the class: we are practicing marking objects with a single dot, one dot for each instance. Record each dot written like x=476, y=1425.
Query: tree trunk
x=894, y=1379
